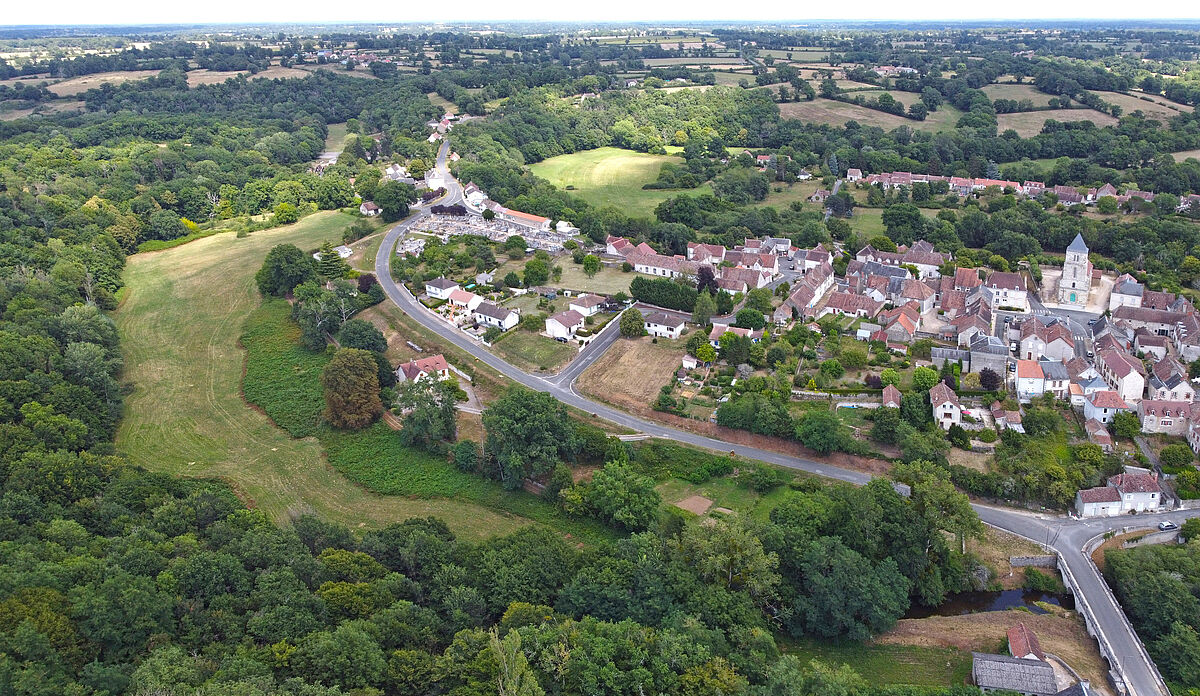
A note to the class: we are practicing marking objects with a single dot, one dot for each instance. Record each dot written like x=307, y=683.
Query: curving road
x=1065, y=536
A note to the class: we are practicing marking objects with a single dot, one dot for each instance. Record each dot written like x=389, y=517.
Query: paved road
x=1065, y=536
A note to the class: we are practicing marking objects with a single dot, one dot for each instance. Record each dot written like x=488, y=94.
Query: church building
x=1076, y=281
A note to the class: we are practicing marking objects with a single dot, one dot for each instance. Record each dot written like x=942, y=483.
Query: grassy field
x=179, y=322
x=78, y=85
x=1157, y=108
x=283, y=379
x=609, y=281
x=533, y=352
x=335, y=138
x=889, y=664
x=610, y=176
x=1030, y=123
x=1017, y=92
x=1060, y=633
x=444, y=104
x=1186, y=154
x=832, y=112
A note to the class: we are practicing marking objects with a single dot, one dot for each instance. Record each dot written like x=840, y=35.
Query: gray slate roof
x=1078, y=245
x=1054, y=370
x=1011, y=674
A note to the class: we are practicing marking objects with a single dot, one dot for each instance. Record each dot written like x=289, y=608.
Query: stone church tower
x=1076, y=281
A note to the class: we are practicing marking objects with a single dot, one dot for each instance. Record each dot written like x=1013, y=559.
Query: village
x=1102, y=344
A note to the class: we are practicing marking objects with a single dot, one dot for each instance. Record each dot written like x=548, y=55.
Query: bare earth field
x=653, y=365
x=1030, y=123
x=1187, y=154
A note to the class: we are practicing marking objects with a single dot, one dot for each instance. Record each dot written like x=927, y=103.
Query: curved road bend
x=1066, y=536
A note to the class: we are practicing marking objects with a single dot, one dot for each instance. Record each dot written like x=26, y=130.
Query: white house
x=564, y=324
x=1123, y=372
x=1130, y=492
x=1169, y=381
x=587, y=305
x=1031, y=382
x=464, y=299
x=1103, y=406
x=369, y=209
x=440, y=288
x=490, y=314
x=1006, y=289
x=663, y=325
x=946, y=409
x=474, y=195
x=433, y=368
x=1126, y=292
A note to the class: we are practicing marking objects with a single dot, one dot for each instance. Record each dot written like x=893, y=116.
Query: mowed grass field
x=610, y=176
x=1017, y=92
x=1030, y=123
x=1156, y=108
x=832, y=112
x=180, y=321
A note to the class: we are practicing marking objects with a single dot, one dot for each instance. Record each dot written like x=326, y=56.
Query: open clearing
x=1017, y=92
x=81, y=84
x=610, y=176
x=836, y=113
x=442, y=103
x=534, y=352
x=632, y=370
x=893, y=663
x=180, y=323
x=1062, y=634
x=1157, y=108
x=1030, y=123
x=1186, y=154
x=609, y=281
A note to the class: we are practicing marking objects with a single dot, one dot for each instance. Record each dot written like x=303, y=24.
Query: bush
x=1038, y=581
x=987, y=435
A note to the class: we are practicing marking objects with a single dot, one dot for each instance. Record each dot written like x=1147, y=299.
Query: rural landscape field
x=529, y=357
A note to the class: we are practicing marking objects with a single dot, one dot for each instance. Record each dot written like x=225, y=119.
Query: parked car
x=1167, y=526
x=1092, y=322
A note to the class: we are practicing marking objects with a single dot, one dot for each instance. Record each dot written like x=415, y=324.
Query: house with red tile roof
x=1123, y=372
x=947, y=411
x=1098, y=434
x=891, y=396
x=1168, y=417
x=850, y=304
x=433, y=368
x=1023, y=643
x=1104, y=406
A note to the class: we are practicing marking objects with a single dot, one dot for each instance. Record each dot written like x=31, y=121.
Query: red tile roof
x=1023, y=642
x=1102, y=494
x=1108, y=399
x=1135, y=483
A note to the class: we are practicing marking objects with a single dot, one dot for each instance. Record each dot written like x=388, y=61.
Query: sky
x=144, y=12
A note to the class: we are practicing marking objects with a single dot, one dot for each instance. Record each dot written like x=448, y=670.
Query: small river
x=971, y=602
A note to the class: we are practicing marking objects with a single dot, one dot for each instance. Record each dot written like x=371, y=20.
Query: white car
x=1167, y=526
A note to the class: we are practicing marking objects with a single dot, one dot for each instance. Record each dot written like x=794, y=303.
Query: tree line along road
x=1065, y=536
